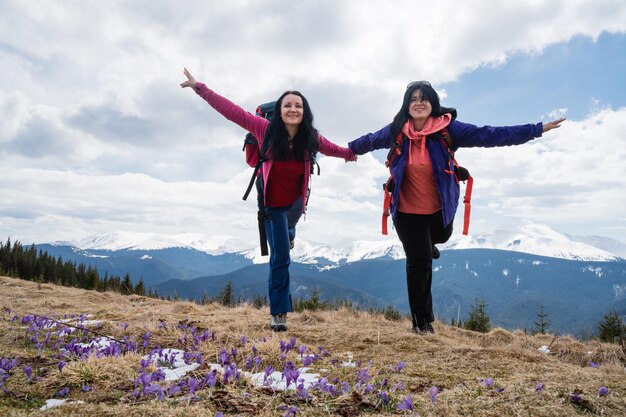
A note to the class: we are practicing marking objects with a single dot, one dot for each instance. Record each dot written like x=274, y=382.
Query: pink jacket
x=258, y=125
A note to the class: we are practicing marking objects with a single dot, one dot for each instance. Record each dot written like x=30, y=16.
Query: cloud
x=97, y=135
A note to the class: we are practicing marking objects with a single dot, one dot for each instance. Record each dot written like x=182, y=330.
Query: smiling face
x=419, y=108
x=292, y=110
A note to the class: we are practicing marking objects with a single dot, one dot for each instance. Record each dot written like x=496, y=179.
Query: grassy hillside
x=388, y=367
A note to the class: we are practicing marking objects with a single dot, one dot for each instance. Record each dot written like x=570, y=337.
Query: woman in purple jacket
x=286, y=175
x=426, y=191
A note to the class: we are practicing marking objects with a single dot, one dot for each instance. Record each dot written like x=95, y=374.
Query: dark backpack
x=250, y=143
x=460, y=174
x=254, y=159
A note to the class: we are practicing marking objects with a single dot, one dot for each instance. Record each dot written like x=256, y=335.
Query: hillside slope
x=358, y=362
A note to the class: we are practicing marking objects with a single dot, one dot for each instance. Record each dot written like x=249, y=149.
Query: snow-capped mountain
x=605, y=243
x=533, y=238
x=526, y=237
x=215, y=245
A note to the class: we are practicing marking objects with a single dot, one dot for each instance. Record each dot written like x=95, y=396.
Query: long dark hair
x=305, y=140
x=429, y=94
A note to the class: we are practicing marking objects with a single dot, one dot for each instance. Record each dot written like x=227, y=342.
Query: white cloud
x=97, y=135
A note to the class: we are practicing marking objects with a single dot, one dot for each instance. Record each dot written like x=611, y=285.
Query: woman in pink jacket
x=286, y=175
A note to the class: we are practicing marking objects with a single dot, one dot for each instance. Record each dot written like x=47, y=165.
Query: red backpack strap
x=468, y=204
x=395, y=150
x=386, y=204
x=467, y=199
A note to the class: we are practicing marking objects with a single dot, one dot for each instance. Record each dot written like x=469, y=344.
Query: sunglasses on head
x=416, y=84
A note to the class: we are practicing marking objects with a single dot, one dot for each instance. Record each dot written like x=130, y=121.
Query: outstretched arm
x=555, y=124
x=191, y=81
x=253, y=124
x=330, y=149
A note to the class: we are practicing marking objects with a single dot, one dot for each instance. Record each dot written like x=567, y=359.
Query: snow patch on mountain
x=215, y=245
x=523, y=236
x=533, y=238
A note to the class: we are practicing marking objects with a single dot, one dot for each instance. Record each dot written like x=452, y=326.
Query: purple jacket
x=258, y=125
x=464, y=135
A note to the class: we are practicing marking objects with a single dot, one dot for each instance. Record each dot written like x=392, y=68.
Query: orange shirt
x=418, y=194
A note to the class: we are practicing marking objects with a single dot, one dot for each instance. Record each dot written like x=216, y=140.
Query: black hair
x=427, y=93
x=305, y=140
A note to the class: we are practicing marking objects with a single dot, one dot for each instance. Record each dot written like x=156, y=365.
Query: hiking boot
x=424, y=329
x=436, y=253
x=278, y=323
x=291, y=244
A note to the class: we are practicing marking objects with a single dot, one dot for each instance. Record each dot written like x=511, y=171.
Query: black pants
x=418, y=233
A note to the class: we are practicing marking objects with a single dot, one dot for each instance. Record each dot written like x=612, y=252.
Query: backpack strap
x=258, y=166
x=394, y=152
x=460, y=174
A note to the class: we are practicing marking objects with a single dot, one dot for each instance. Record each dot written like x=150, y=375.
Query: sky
x=97, y=136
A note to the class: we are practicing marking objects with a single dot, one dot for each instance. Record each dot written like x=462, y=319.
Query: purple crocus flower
x=292, y=344
x=158, y=375
x=399, y=387
x=399, y=366
x=434, y=391
x=174, y=389
x=302, y=392
x=323, y=351
x=243, y=340
x=61, y=365
x=307, y=361
x=63, y=392
x=224, y=357
x=248, y=364
x=539, y=387
x=291, y=412
x=594, y=364
x=154, y=389
x=210, y=379
x=487, y=382
x=145, y=363
x=575, y=397
x=301, y=350
x=384, y=397
x=406, y=404
x=603, y=391
x=290, y=373
x=28, y=370
x=86, y=388
x=362, y=376
x=193, y=384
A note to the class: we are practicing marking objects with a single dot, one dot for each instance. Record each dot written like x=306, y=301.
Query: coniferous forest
x=19, y=261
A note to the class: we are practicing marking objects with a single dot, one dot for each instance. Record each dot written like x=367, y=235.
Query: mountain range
x=577, y=279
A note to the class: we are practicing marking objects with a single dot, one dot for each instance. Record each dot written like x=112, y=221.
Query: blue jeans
x=280, y=227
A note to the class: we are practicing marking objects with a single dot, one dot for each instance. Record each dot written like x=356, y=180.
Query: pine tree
x=612, y=328
x=126, y=285
x=478, y=320
x=140, y=288
x=542, y=325
x=227, y=295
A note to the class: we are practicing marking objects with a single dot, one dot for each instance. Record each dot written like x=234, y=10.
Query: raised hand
x=191, y=81
x=555, y=124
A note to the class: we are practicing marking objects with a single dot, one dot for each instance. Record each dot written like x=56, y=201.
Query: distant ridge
x=523, y=236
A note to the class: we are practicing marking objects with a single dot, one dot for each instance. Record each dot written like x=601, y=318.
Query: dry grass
x=453, y=359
